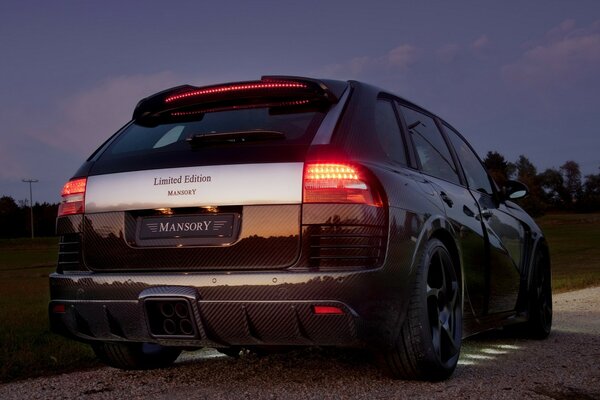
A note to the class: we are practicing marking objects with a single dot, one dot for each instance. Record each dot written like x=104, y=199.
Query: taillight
x=338, y=183
x=73, y=197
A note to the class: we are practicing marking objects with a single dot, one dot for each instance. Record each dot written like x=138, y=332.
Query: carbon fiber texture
x=269, y=239
x=219, y=324
x=343, y=236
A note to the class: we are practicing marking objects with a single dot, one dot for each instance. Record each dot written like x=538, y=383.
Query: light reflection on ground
x=474, y=353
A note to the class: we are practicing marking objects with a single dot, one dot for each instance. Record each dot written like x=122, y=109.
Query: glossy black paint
x=261, y=289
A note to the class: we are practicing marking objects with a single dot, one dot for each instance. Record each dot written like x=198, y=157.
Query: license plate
x=187, y=226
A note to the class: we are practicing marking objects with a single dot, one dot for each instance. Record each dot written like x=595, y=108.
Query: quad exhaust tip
x=170, y=318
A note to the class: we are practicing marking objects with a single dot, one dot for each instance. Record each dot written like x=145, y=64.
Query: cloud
x=399, y=58
x=563, y=28
x=481, y=42
x=449, y=52
x=566, y=55
x=88, y=118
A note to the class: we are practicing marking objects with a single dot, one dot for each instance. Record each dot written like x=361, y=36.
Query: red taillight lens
x=337, y=183
x=73, y=197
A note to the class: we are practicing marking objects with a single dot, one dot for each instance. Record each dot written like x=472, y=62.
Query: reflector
x=59, y=308
x=327, y=310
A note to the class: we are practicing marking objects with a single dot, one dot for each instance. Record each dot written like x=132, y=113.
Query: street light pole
x=30, y=181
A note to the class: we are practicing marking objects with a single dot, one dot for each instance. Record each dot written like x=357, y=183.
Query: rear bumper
x=228, y=309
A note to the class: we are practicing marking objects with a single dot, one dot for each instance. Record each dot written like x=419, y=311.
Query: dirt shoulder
x=495, y=365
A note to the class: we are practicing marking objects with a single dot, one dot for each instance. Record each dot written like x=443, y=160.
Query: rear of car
x=290, y=211
x=223, y=216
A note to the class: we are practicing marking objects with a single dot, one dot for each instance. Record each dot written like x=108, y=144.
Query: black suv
x=291, y=211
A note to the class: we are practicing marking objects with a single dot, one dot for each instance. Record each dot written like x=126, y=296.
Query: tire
x=427, y=344
x=539, y=323
x=135, y=355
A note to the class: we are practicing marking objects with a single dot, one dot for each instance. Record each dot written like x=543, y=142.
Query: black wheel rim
x=444, y=306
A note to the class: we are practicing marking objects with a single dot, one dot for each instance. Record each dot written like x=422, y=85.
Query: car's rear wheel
x=135, y=355
x=539, y=323
x=427, y=345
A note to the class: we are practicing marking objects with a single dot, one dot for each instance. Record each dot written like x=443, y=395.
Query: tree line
x=552, y=190
x=15, y=218
x=562, y=189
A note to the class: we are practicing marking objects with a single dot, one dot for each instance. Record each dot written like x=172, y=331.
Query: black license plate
x=187, y=226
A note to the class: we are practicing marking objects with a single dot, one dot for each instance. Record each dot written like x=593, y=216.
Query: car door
x=441, y=172
x=504, y=233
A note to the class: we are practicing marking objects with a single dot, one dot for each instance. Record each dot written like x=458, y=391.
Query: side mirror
x=514, y=190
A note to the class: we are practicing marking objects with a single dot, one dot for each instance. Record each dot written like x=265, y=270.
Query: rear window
x=172, y=137
x=165, y=145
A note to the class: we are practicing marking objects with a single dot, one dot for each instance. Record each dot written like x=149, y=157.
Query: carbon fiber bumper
x=226, y=309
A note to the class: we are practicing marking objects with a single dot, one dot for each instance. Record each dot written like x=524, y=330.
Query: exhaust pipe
x=170, y=317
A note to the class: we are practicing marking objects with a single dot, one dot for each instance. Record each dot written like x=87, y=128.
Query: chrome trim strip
x=323, y=135
x=213, y=185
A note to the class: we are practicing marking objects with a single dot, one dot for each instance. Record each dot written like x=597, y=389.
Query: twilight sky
x=518, y=77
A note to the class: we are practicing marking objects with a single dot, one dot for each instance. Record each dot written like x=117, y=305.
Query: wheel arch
x=448, y=240
x=440, y=228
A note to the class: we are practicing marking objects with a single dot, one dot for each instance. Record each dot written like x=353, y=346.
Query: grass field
x=29, y=349
x=574, y=241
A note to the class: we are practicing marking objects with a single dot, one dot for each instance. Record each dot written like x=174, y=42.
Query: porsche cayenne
x=291, y=211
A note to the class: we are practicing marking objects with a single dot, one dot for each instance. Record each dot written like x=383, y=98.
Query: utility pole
x=30, y=181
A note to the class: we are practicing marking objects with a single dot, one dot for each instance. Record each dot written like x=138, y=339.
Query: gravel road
x=494, y=365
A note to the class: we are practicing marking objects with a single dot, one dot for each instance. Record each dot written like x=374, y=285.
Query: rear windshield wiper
x=234, y=137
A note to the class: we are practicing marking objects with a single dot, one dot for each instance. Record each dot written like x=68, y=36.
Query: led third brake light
x=337, y=183
x=73, y=197
x=236, y=87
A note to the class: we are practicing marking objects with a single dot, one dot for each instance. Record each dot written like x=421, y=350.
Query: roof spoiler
x=269, y=90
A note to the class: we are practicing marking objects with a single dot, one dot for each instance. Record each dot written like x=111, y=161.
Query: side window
x=477, y=177
x=388, y=131
x=431, y=148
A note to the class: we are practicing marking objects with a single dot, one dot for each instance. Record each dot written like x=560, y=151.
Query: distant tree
x=527, y=173
x=7, y=205
x=552, y=183
x=45, y=219
x=525, y=169
x=572, y=182
x=590, y=200
x=12, y=218
x=500, y=169
x=592, y=184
